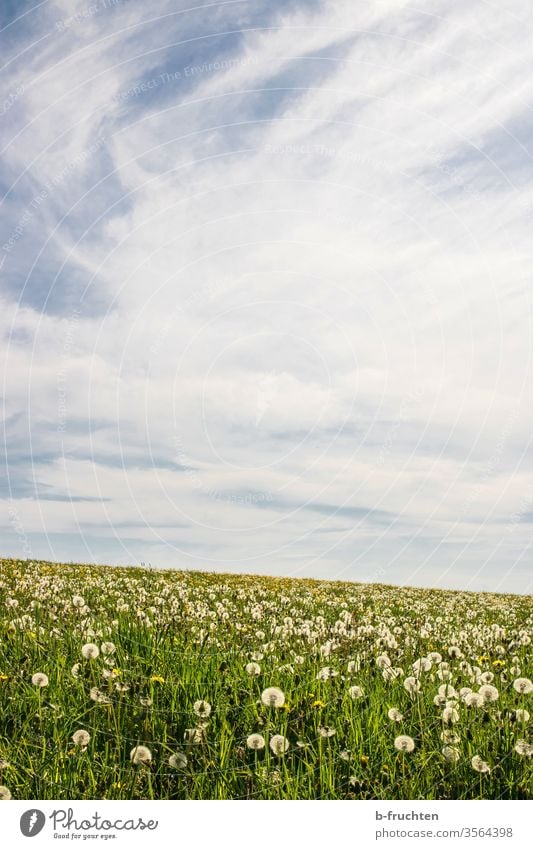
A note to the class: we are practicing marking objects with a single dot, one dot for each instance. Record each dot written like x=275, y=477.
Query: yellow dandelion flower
x=364, y=760
x=157, y=679
x=319, y=704
x=4, y=677
x=498, y=663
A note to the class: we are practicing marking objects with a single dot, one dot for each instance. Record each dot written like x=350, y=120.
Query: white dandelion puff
x=194, y=736
x=39, y=679
x=451, y=754
x=450, y=715
x=395, y=715
x=141, y=755
x=5, y=793
x=98, y=696
x=455, y=651
x=279, y=744
x=202, y=708
x=273, y=697
x=489, y=693
x=450, y=737
x=519, y=715
x=412, y=685
x=479, y=765
x=253, y=668
x=326, y=673
x=474, y=700
x=404, y=743
x=523, y=685
x=81, y=738
x=255, y=742
x=355, y=692
x=178, y=760
x=524, y=749
x=326, y=731
x=90, y=651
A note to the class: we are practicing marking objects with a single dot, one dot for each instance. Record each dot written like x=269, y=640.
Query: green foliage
x=183, y=637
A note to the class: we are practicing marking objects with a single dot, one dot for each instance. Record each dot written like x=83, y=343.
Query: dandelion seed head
x=326, y=731
x=255, y=742
x=355, y=692
x=404, y=743
x=395, y=715
x=474, y=700
x=519, y=715
x=450, y=754
x=141, y=755
x=90, y=651
x=81, y=738
x=479, y=765
x=524, y=749
x=273, y=697
x=279, y=744
x=412, y=685
x=489, y=693
x=450, y=715
x=178, y=760
x=523, y=686
x=39, y=679
x=194, y=736
x=98, y=696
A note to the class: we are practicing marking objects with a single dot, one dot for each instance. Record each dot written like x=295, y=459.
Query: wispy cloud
x=265, y=286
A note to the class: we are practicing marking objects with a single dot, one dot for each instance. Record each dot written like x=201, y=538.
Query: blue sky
x=265, y=294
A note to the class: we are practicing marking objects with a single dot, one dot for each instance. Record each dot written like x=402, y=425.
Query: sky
x=265, y=287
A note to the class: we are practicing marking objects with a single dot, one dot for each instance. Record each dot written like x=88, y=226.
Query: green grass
x=197, y=632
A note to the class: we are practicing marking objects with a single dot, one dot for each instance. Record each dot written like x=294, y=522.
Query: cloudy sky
x=266, y=287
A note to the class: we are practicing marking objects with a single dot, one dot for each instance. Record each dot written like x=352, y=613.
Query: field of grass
x=386, y=693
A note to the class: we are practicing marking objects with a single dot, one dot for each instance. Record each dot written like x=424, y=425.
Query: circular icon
x=32, y=822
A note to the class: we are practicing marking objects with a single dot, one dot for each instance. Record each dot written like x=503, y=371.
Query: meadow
x=133, y=683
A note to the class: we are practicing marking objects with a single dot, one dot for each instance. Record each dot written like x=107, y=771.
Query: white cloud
x=306, y=267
